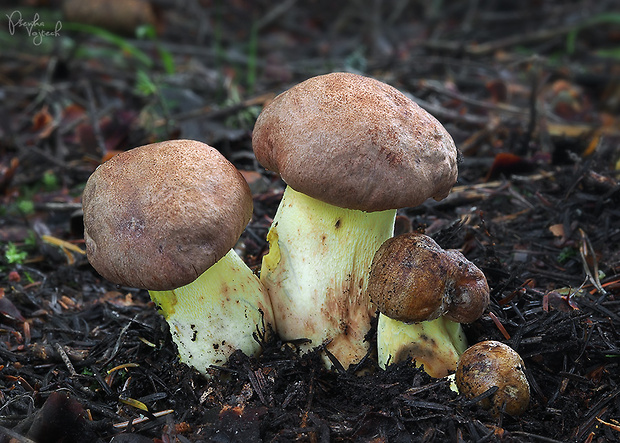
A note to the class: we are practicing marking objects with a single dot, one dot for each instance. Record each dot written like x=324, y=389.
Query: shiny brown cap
x=355, y=142
x=158, y=216
x=491, y=364
x=412, y=279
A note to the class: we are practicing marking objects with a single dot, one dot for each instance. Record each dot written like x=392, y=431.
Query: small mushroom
x=413, y=279
x=423, y=292
x=490, y=364
x=352, y=150
x=164, y=217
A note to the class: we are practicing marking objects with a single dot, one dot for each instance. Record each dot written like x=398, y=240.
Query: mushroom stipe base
x=217, y=313
x=317, y=272
x=436, y=344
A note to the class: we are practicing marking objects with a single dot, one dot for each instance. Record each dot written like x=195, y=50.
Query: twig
x=489, y=392
x=537, y=437
x=435, y=87
x=65, y=359
x=141, y=419
x=15, y=437
x=110, y=355
x=490, y=47
x=257, y=380
x=274, y=13
x=93, y=118
x=596, y=410
x=448, y=114
x=208, y=113
x=45, y=87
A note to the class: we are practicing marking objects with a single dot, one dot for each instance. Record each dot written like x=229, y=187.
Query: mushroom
x=164, y=217
x=492, y=364
x=352, y=150
x=423, y=293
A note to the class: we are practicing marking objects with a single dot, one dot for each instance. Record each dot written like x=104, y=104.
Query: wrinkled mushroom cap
x=355, y=142
x=412, y=279
x=158, y=216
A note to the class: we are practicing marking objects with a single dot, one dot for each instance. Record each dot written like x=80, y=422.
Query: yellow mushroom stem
x=436, y=344
x=317, y=269
x=217, y=313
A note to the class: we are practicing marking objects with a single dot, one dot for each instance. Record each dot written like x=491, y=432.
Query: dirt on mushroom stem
x=348, y=144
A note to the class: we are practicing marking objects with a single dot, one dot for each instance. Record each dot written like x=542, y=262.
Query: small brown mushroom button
x=488, y=364
x=423, y=293
x=413, y=279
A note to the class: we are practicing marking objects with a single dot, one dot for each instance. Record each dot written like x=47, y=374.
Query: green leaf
x=50, y=181
x=13, y=255
x=144, y=84
x=31, y=240
x=110, y=37
x=26, y=207
x=606, y=17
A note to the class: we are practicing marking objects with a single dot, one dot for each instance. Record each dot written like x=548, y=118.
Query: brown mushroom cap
x=158, y=216
x=488, y=364
x=355, y=142
x=412, y=279
x=468, y=293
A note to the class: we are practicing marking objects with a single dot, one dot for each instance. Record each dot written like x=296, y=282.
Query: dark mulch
x=531, y=96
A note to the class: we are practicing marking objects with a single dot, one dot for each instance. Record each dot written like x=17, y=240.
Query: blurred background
x=81, y=79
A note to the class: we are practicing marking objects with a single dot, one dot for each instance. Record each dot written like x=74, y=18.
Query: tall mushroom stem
x=436, y=344
x=217, y=313
x=316, y=272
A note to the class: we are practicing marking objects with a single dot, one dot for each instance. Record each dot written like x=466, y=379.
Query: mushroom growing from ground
x=423, y=293
x=351, y=150
x=164, y=217
x=491, y=364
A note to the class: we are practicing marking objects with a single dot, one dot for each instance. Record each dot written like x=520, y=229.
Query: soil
x=530, y=93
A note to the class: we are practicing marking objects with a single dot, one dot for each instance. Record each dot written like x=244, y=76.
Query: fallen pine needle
x=62, y=243
x=611, y=425
x=499, y=325
x=66, y=247
x=123, y=366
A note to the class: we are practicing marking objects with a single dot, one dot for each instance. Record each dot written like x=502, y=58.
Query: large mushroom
x=164, y=217
x=352, y=150
x=423, y=293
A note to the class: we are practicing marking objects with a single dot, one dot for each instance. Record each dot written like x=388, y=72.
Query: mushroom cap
x=412, y=279
x=492, y=363
x=355, y=142
x=468, y=294
x=158, y=216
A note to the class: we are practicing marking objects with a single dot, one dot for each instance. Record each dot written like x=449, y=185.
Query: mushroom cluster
x=423, y=293
x=351, y=150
